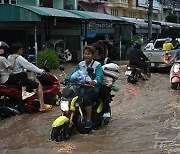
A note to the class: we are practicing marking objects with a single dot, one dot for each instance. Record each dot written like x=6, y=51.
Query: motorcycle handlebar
x=65, y=82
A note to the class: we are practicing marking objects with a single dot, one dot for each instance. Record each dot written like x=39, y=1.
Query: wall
x=58, y=4
x=28, y=2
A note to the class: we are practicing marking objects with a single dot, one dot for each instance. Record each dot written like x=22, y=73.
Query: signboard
x=145, y=3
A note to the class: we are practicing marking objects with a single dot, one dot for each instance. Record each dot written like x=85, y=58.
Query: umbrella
x=3, y=45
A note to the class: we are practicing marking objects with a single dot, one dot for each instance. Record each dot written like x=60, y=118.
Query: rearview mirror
x=61, y=68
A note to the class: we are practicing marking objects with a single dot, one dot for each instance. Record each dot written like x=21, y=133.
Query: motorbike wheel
x=132, y=79
x=61, y=133
x=175, y=86
x=6, y=111
x=80, y=126
x=97, y=120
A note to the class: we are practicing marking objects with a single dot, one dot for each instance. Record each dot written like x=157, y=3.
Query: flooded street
x=145, y=119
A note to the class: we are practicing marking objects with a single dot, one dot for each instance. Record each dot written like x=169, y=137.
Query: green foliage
x=140, y=38
x=172, y=18
x=50, y=56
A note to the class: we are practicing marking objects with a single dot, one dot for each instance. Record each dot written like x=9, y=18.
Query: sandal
x=45, y=108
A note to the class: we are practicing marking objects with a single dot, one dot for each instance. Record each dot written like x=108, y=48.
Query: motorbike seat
x=134, y=66
x=10, y=86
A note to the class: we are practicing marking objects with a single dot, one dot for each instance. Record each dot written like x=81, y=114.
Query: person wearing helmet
x=168, y=45
x=138, y=58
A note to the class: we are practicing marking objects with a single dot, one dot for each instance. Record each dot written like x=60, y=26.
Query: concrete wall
x=28, y=2
x=58, y=4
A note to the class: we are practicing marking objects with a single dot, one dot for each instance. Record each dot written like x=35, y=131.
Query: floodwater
x=145, y=120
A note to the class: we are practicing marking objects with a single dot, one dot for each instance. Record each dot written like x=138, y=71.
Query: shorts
x=90, y=98
x=31, y=84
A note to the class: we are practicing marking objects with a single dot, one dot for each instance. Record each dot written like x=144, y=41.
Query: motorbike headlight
x=176, y=68
x=64, y=105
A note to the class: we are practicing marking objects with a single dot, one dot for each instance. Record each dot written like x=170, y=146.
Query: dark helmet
x=137, y=45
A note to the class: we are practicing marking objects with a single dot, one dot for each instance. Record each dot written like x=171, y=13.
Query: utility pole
x=150, y=13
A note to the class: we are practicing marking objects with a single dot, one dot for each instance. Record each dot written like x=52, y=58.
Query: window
x=13, y=2
x=69, y=4
x=114, y=12
x=46, y=3
x=6, y=1
x=132, y=14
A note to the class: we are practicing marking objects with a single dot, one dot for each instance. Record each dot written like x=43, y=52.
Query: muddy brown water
x=145, y=119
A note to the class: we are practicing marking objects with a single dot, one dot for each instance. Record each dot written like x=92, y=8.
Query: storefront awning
x=142, y=26
x=10, y=12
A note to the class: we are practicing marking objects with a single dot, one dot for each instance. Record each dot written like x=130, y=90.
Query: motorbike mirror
x=90, y=70
x=61, y=68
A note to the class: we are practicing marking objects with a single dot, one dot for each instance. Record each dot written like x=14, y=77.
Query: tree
x=169, y=3
x=172, y=18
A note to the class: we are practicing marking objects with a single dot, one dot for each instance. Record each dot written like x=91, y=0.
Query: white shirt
x=149, y=46
x=4, y=72
x=21, y=64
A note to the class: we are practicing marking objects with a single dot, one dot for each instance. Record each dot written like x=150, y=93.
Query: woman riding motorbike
x=96, y=80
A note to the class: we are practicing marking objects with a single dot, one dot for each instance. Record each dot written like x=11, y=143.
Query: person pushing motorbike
x=138, y=58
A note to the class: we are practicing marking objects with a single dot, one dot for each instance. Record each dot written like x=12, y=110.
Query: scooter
x=134, y=74
x=175, y=75
x=65, y=56
x=73, y=117
x=12, y=104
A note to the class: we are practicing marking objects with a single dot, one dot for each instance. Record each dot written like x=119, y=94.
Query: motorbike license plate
x=152, y=64
x=128, y=73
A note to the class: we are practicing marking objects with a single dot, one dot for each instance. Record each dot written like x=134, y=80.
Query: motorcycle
x=65, y=56
x=135, y=73
x=12, y=104
x=73, y=117
x=175, y=75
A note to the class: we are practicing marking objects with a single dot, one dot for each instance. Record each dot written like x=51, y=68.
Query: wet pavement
x=145, y=119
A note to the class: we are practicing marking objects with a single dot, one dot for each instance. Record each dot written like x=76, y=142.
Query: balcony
x=94, y=1
x=118, y=3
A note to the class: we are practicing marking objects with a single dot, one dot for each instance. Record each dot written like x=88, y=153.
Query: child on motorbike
x=8, y=78
x=20, y=65
x=96, y=79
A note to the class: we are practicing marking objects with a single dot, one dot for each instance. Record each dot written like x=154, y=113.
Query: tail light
x=167, y=57
x=128, y=67
x=176, y=68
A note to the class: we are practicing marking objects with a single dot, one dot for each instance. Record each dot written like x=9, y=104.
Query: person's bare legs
x=23, y=88
x=88, y=110
x=41, y=99
x=40, y=95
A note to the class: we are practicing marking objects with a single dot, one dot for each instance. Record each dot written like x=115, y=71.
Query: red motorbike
x=12, y=104
x=175, y=76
